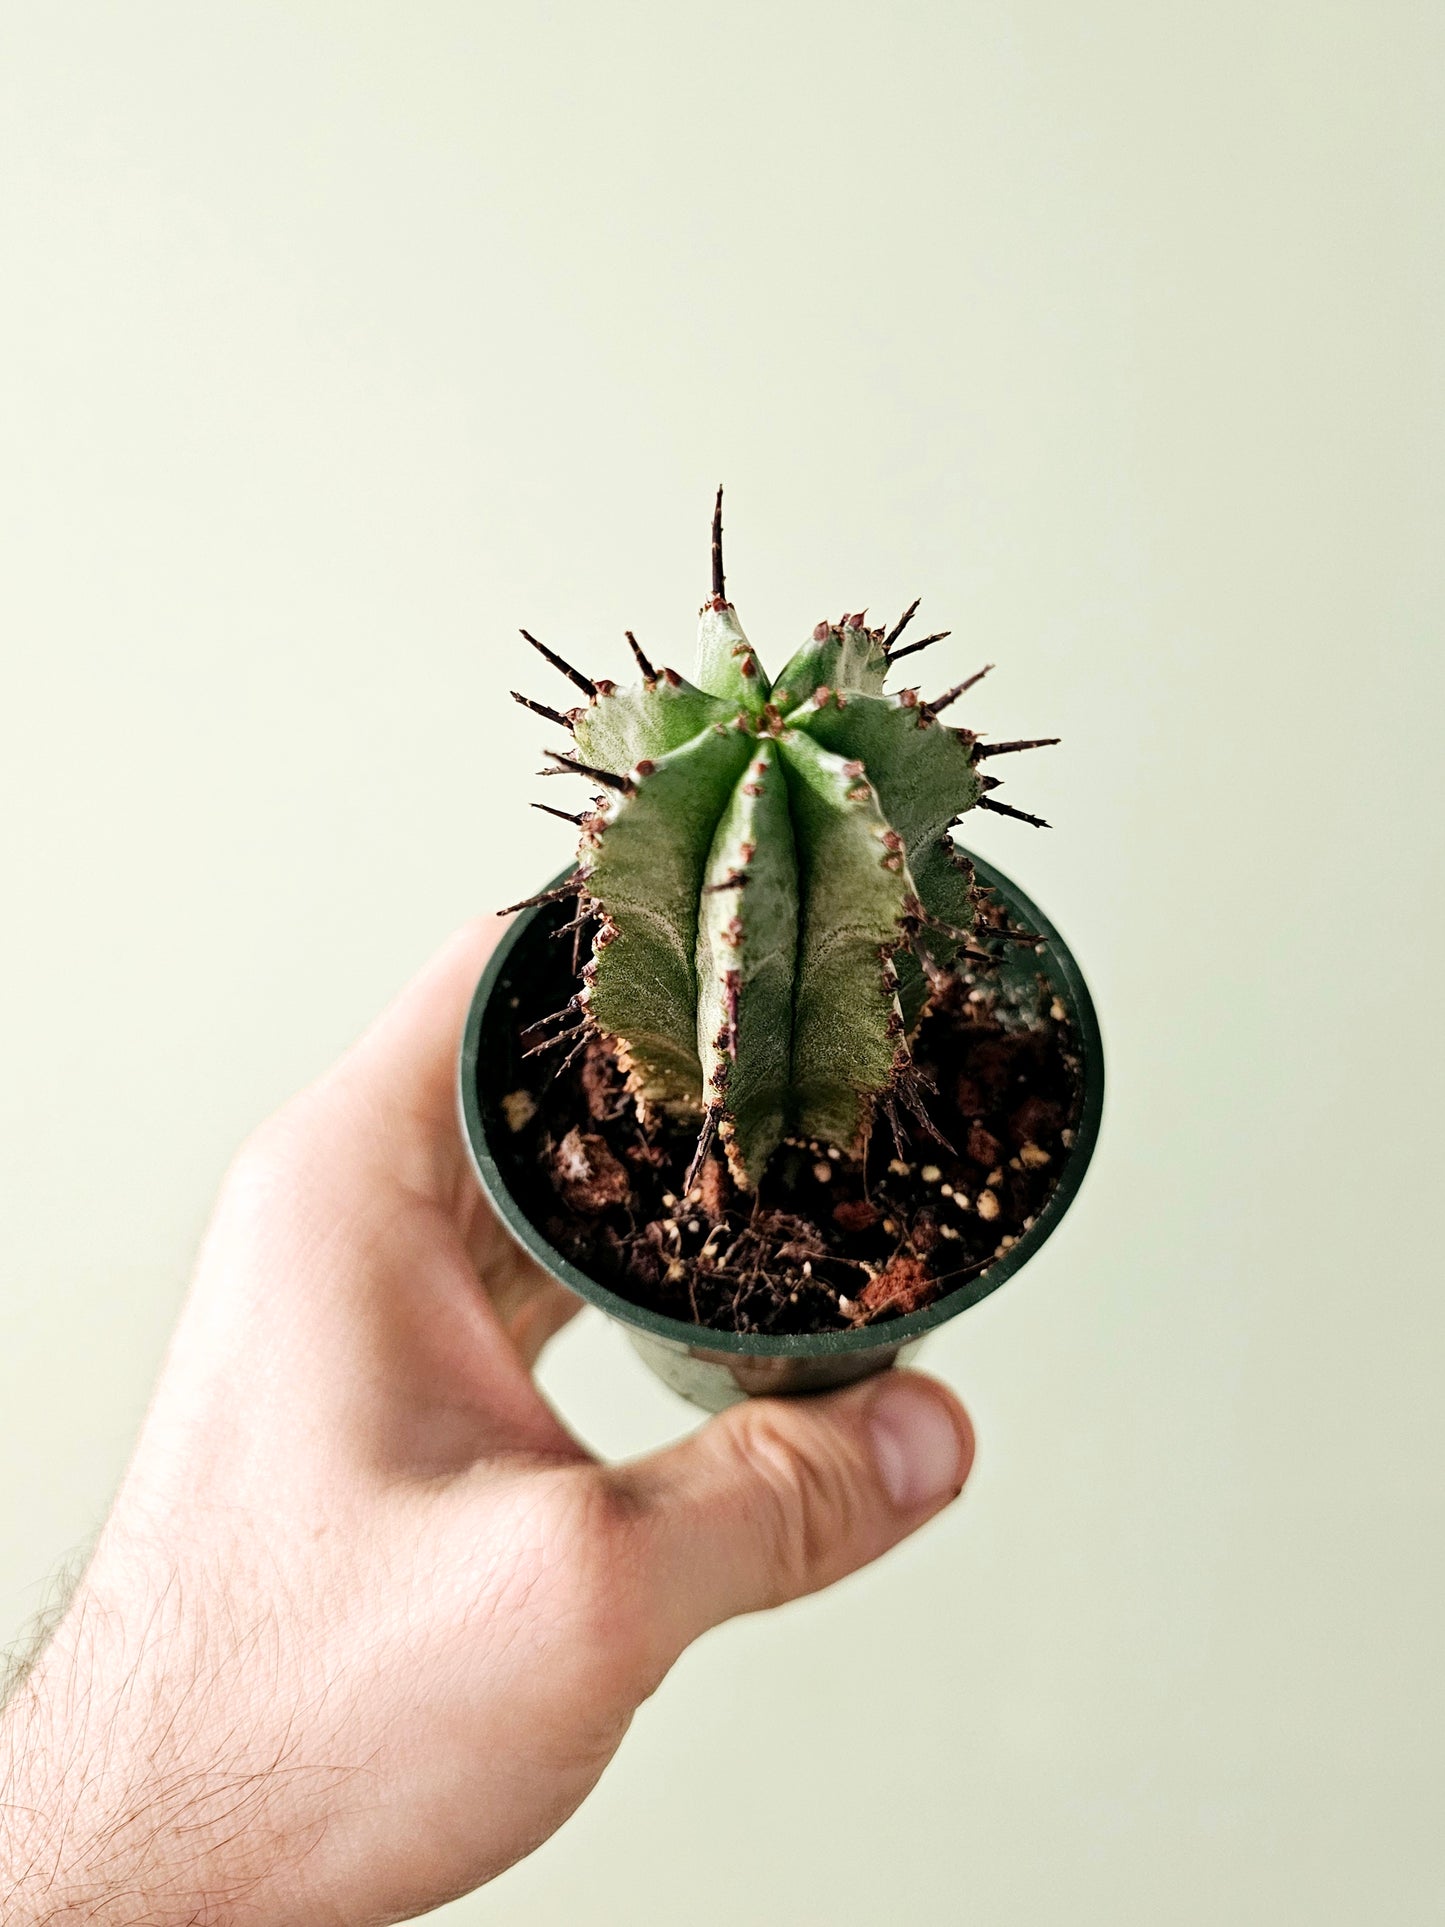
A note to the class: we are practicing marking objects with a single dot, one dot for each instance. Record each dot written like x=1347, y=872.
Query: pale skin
x=366, y=1622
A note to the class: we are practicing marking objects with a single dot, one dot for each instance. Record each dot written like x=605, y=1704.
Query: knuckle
x=261, y=1200
x=264, y=1158
x=809, y=1498
x=277, y=1156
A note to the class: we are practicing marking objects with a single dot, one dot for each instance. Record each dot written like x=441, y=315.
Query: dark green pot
x=714, y=1368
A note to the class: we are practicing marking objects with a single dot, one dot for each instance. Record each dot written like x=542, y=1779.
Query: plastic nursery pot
x=717, y=1368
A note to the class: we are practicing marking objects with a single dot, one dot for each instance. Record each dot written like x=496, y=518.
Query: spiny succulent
x=768, y=876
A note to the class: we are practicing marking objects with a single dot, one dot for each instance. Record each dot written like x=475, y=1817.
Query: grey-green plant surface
x=774, y=889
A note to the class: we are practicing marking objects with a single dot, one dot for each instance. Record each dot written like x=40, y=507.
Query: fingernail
x=915, y=1442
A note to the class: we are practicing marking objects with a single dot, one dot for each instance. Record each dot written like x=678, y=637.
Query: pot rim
x=892, y=1332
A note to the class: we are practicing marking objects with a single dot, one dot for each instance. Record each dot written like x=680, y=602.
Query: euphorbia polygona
x=774, y=890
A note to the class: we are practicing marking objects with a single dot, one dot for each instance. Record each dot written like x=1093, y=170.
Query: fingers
x=779, y=1497
x=376, y=1146
x=389, y=1104
x=391, y=1101
x=533, y=1308
x=410, y=1052
x=538, y=1322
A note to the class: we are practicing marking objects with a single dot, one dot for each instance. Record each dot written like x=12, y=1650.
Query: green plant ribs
x=773, y=881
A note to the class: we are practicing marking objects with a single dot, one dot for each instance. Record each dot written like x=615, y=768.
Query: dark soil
x=827, y=1242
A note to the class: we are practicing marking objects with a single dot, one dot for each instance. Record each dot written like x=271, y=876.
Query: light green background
x=338, y=341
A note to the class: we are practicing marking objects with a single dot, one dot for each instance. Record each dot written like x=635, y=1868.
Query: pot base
x=715, y=1380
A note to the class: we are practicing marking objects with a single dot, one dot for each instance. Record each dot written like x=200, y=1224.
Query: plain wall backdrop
x=339, y=340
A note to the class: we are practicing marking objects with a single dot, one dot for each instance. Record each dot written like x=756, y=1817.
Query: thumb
x=777, y=1497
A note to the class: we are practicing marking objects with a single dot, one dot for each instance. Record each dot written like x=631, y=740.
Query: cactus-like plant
x=774, y=889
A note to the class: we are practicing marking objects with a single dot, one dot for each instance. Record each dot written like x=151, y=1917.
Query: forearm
x=132, y=1788
x=92, y=1807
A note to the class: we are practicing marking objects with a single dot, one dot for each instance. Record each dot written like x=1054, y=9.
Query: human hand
x=366, y=1623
